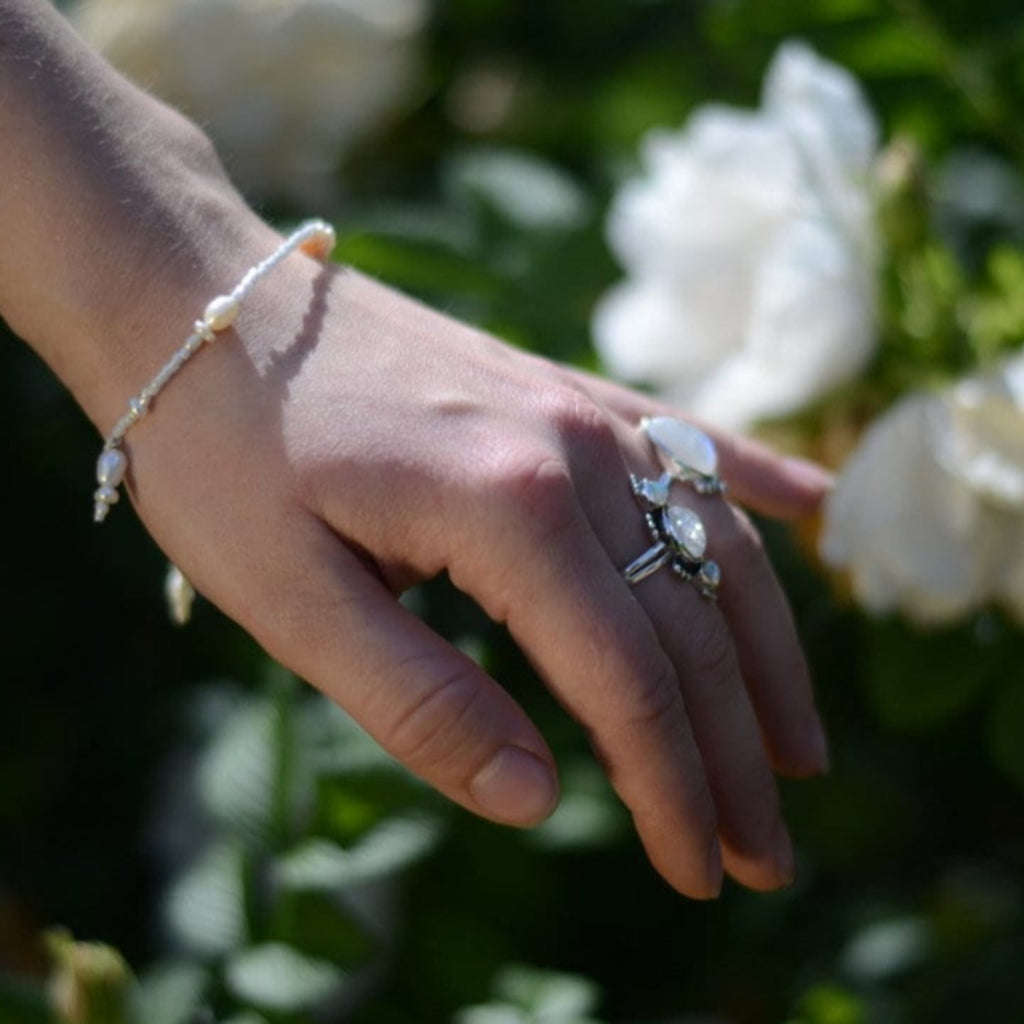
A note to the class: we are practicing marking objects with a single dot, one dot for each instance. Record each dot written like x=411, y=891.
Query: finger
x=694, y=633
x=319, y=611
x=564, y=603
x=770, y=654
x=783, y=487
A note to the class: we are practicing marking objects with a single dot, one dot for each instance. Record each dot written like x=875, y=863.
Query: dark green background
x=909, y=905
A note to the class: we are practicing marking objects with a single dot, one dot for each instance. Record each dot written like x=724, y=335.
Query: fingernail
x=810, y=474
x=515, y=787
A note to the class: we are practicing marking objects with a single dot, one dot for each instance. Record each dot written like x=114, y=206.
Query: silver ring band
x=679, y=539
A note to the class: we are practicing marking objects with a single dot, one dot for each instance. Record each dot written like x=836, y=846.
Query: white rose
x=928, y=513
x=749, y=245
x=284, y=87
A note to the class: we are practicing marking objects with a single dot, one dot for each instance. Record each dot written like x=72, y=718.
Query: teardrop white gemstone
x=222, y=312
x=686, y=529
x=681, y=445
x=111, y=467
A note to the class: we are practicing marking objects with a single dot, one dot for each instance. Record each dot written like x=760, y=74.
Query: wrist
x=105, y=293
x=116, y=214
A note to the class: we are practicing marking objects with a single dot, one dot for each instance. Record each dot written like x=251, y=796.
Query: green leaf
x=238, y=773
x=887, y=948
x=492, y=1013
x=278, y=979
x=170, y=995
x=23, y=1002
x=546, y=995
x=389, y=847
x=892, y=49
x=206, y=908
x=921, y=679
x=323, y=925
x=588, y=815
x=1006, y=728
x=829, y=1004
x=364, y=789
x=521, y=189
x=256, y=777
x=418, y=265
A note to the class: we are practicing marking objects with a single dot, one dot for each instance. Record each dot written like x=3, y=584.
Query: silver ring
x=679, y=539
x=686, y=453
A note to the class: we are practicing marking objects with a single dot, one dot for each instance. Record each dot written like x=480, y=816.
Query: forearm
x=115, y=212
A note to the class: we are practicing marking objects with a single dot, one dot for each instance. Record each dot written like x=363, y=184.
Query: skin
x=342, y=443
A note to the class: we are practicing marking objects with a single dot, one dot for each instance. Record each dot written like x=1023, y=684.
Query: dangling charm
x=110, y=470
x=180, y=594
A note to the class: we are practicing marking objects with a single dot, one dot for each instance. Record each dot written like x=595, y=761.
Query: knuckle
x=425, y=733
x=537, y=485
x=580, y=422
x=655, y=706
x=711, y=651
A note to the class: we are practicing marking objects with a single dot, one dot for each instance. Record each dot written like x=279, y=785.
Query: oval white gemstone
x=686, y=529
x=682, y=445
x=111, y=466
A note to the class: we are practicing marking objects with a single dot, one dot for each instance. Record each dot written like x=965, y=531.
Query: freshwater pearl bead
x=107, y=495
x=321, y=244
x=222, y=312
x=111, y=467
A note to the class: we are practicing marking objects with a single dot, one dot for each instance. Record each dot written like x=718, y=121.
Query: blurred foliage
x=256, y=859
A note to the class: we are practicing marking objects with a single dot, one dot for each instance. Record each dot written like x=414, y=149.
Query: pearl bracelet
x=315, y=238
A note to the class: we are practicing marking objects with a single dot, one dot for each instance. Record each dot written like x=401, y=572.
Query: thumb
x=426, y=703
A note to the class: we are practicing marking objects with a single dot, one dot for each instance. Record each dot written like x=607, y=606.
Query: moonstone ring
x=686, y=453
x=679, y=539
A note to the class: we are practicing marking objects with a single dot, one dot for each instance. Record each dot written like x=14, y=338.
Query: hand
x=345, y=443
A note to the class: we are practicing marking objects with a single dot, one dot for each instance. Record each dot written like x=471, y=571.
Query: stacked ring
x=687, y=454
x=680, y=539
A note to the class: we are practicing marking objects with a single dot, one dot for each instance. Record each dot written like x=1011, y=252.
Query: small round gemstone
x=711, y=574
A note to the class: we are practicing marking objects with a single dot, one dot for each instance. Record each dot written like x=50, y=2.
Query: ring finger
x=697, y=636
